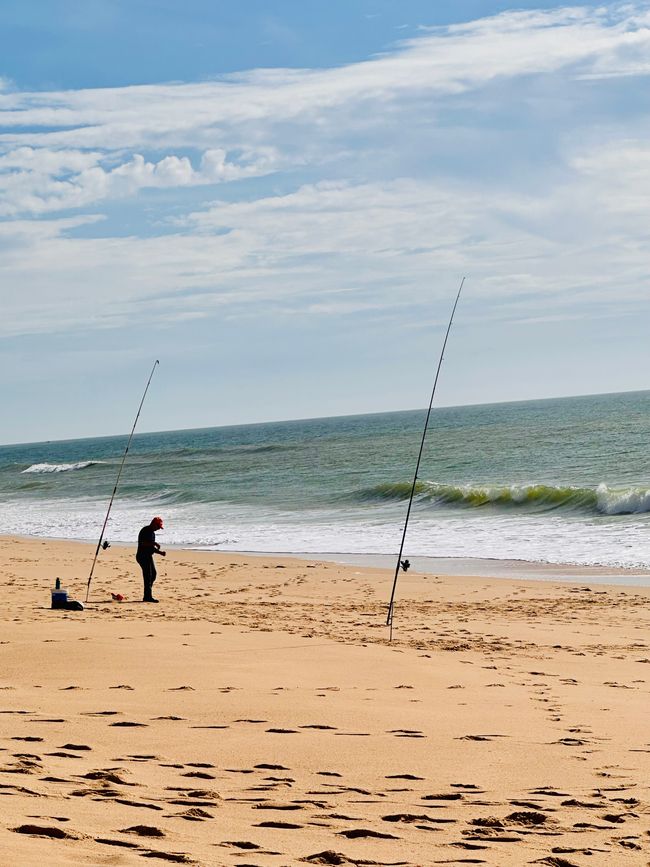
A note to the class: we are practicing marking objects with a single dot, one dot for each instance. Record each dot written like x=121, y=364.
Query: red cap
x=157, y=522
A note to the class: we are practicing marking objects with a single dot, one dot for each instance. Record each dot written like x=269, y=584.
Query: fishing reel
x=105, y=544
x=405, y=564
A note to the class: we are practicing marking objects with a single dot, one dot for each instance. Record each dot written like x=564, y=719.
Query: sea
x=560, y=481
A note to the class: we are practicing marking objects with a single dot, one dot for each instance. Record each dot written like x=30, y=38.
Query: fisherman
x=147, y=547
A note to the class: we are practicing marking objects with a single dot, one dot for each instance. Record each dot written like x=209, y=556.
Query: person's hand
x=163, y=553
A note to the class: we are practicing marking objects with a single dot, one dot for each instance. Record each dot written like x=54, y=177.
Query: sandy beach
x=259, y=716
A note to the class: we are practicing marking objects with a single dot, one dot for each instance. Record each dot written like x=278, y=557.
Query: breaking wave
x=59, y=468
x=600, y=500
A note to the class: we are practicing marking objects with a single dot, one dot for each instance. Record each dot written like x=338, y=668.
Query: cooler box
x=59, y=598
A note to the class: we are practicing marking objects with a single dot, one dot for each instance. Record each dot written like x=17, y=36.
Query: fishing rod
x=117, y=481
x=404, y=564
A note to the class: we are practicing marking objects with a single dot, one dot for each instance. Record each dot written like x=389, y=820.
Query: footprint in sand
x=240, y=844
x=443, y=796
x=136, y=758
x=56, y=818
x=140, y=804
x=529, y=805
x=269, y=805
x=355, y=833
x=26, y=764
x=193, y=814
x=102, y=713
x=61, y=754
x=8, y=789
x=107, y=776
x=479, y=737
x=124, y=844
x=528, y=818
x=195, y=798
x=406, y=733
x=143, y=831
x=45, y=831
x=287, y=826
x=410, y=818
x=403, y=777
x=177, y=858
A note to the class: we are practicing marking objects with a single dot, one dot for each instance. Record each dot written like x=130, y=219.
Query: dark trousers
x=148, y=575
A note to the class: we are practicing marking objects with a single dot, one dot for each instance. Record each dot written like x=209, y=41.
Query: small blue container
x=59, y=598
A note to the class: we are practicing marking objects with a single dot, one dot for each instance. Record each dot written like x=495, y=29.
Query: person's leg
x=148, y=577
x=152, y=578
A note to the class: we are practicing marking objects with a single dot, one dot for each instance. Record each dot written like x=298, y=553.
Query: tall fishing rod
x=117, y=481
x=404, y=564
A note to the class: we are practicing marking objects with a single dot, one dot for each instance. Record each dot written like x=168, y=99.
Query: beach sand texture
x=259, y=716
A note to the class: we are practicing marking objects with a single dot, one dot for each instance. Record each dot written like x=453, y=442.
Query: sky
x=278, y=200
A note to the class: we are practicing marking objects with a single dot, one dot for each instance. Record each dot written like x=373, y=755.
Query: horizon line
x=323, y=417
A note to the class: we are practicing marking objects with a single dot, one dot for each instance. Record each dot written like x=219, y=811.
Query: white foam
x=60, y=468
x=587, y=541
x=631, y=501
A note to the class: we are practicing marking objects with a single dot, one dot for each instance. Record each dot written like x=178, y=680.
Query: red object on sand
x=117, y=597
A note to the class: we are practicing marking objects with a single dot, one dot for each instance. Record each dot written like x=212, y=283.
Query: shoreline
x=480, y=567
x=513, y=570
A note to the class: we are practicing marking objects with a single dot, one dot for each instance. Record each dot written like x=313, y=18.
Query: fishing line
x=404, y=564
x=117, y=481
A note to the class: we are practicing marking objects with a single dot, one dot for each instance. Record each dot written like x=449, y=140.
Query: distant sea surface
x=552, y=481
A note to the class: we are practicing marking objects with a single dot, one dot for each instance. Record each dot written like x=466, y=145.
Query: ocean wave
x=600, y=500
x=390, y=491
x=208, y=453
x=59, y=468
x=628, y=501
x=262, y=448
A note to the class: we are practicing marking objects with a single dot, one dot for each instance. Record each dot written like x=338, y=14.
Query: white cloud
x=46, y=161
x=394, y=226
x=338, y=249
x=445, y=62
x=41, y=180
x=71, y=149
x=284, y=117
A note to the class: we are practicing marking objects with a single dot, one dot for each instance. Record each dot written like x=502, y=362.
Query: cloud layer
x=497, y=148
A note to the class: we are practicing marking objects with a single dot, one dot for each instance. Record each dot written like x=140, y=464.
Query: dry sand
x=258, y=716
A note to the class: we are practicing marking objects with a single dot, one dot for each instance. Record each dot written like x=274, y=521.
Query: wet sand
x=259, y=716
